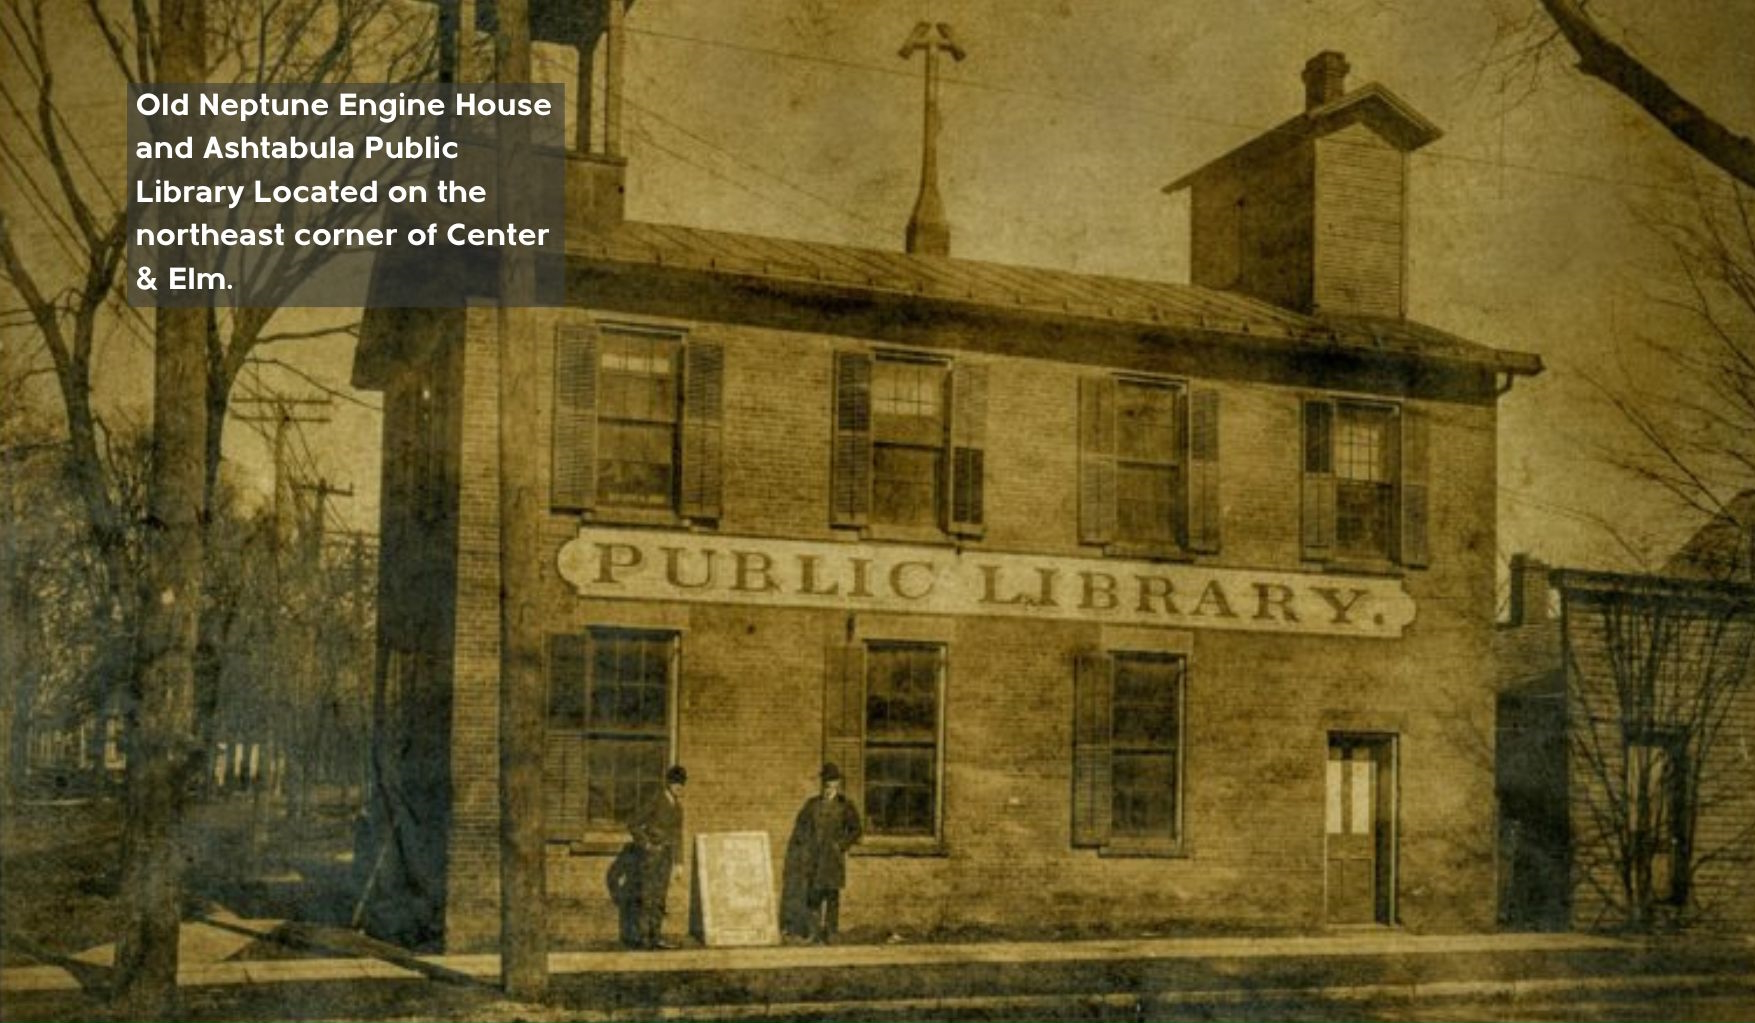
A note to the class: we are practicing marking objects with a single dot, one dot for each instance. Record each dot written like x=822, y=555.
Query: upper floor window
x=1364, y=482
x=909, y=438
x=637, y=417
x=637, y=421
x=611, y=696
x=908, y=441
x=1148, y=465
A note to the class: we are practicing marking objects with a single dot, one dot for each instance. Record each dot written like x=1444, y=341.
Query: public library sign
x=635, y=564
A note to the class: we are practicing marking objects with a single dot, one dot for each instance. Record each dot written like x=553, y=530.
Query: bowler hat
x=830, y=773
x=677, y=775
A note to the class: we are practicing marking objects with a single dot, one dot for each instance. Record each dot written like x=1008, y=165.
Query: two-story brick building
x=1121, y=603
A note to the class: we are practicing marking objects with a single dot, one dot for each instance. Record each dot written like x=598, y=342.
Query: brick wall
x=1259, y=707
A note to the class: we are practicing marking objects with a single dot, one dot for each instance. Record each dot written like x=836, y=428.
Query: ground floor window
x=883, y=726
x=1127, y=749
x=611, y=695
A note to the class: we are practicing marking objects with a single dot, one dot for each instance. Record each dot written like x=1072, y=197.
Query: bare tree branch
x=1603, y=59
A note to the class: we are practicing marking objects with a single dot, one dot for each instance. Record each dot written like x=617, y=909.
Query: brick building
x=1625, y=779
x=1121, y=603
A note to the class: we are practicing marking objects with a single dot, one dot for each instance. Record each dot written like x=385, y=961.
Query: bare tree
x=69, y=291
x=1527, y=43
x=1655, y=671
x=70, y=192
x=1687, y=396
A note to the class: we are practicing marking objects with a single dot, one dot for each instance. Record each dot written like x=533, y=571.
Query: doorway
x=1359, y=844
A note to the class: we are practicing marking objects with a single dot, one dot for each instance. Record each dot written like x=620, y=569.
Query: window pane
x=902, y=693
x=635, y=463
x=1146, y=701
x=638, y=379
x=623, y=775
x=912, y=389
x=1364, y=517
x=1145, y=502
x=1145, y=423
x=1362, y=444
x=900, y=790
x=1145, y=793
x=627, y=694
x=905, y=484
x=901, y=752
x=1146, y=735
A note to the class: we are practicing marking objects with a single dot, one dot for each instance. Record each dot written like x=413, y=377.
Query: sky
x=797, y=118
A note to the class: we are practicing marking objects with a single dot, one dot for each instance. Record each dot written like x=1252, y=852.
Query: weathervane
x=928, y=231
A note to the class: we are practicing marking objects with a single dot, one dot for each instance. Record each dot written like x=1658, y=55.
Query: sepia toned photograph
x=877, y=510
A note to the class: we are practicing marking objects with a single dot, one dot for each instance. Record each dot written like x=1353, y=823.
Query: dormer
x=1312, y=214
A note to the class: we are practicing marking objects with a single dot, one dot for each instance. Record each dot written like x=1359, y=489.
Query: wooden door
x=1359, y=821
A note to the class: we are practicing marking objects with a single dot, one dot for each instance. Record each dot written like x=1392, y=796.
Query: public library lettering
x=653, y=565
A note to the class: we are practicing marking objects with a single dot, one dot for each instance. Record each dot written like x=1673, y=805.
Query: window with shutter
x=1365, y=490
x=610, y=696
x=909, y=443
x=1148, y=465
x=902, y=708
x=1127, y=749
x=638, y=421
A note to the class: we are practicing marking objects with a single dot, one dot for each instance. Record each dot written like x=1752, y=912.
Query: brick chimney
x=1529, y=590
x=1325, y=78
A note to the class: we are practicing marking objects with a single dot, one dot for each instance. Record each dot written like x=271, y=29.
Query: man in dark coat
x=826, y=828
x=658, y=832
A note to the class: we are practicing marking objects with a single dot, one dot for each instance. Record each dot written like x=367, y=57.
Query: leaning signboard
x=734, y=883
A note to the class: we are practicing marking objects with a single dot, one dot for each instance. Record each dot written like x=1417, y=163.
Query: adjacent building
x=1120, y=603
x=1626, y=726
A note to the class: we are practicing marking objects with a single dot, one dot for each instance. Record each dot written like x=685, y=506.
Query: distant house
x=1626, y=743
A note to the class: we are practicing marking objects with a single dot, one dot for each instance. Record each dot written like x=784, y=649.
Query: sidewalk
x=1108, y=977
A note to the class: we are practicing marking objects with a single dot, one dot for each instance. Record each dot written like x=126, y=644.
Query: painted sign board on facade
x=734, y=880
x=655, y=565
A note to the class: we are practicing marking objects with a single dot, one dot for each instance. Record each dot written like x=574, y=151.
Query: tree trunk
x=164, y=749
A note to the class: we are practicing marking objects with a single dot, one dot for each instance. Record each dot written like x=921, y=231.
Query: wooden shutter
x=573, y=469
x=563, y=763
x=968, y=430
x=850, y=486
x=1093, y=798
x=844, y=714
x=1416, y=503
x=703, y=429
x=1319, y=479
x=1202, y=471
x=1096, y=459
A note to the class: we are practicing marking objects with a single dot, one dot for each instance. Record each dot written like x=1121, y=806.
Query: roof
x=1575, y=582
x=1381, y=109
x=1724, y=548
x=1018, y=289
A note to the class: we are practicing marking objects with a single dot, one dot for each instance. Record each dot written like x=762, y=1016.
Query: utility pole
x=928, y=230
x=523, y=885
x=283, y=413
x=164, y=748
x=309, y=703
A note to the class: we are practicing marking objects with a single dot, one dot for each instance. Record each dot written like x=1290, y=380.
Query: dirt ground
x=59, y=870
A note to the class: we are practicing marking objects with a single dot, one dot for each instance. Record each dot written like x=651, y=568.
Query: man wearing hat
x=826, y=828
x=658, y=832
